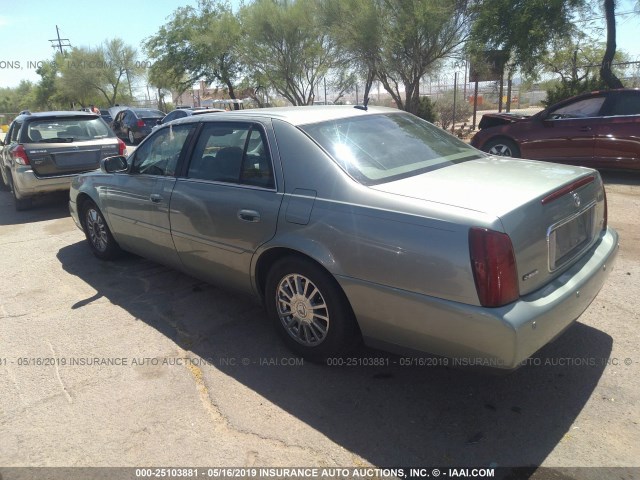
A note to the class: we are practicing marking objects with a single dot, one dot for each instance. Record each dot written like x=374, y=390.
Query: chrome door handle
x=155, y=198
x=249, y=216
x=585, y=129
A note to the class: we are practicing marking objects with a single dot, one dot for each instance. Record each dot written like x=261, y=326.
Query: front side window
x=159, y=154
x=381, y=148
x=232, y=153
x=589, y=107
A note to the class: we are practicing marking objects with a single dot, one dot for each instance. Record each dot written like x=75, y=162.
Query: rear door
x=568, y=132
x=67, y=146
x=226, y=204
x=618, y=136
x=137, y=202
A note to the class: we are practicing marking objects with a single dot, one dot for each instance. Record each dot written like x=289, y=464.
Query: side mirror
x=115, y=164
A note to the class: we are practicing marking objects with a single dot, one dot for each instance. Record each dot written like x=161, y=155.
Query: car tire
x=132, y=138
x=4, y=183
x=95, y=227
x=20, y=204
x=502, y=147
x=309, y=310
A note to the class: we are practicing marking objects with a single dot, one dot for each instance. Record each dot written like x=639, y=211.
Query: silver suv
x=43, y=151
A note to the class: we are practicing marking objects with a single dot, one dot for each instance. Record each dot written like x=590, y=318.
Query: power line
x=59, y=43
x=604, y=16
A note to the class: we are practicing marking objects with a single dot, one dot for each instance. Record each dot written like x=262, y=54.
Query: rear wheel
x=20, y=203
x=309, y=310
x=502, y=147
x=97, y=232
x=132, y=138
x=4, y=183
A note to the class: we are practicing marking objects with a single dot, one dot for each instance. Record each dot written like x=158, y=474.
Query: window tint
x=159, y=154
x=626, y=105
x=589, y=107
x=15, y=131
x=234, y=153
x=55, y=130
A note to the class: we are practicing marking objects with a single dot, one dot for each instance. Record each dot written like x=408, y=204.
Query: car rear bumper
x=28, y=184
x=504, y=337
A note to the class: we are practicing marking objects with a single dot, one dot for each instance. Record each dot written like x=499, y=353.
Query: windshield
x=382, y=148
x=67, y=130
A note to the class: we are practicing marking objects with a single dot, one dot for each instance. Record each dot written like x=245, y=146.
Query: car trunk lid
x=552, y=213
x=67, y=158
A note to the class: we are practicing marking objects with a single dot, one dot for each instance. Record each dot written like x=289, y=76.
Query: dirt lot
x=197, y=376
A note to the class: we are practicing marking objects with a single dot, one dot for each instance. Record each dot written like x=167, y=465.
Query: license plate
x=569, y=238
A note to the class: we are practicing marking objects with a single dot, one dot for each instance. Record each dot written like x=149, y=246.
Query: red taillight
x=19, y=155
x=140, y=123
x=605, y=217
x=494, y=267
x=122, y=147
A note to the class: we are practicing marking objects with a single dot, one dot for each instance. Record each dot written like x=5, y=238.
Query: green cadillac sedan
x=363, y=223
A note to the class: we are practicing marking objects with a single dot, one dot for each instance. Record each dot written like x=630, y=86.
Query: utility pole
x=59, y=43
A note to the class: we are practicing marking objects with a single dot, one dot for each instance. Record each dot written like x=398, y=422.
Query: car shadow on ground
x=613, y=177
x=46, y=207
x=391, y=415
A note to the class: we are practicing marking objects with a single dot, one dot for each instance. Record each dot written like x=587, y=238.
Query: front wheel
x=502, y=147
x=97, y=232
x=309, y=310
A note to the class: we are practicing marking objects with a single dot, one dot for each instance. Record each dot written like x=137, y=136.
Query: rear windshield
x=146, y=113
x=66, y=130
x=382, y=148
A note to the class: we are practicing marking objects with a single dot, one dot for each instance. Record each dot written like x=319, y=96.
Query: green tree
x=416, y=36
x=198, y=44
x=286, y=44
x=97, y=75
x=524, y=29
x=356, y=27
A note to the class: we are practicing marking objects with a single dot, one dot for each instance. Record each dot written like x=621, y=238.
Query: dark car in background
x=598, y=129
x=186, y=112
x=106, y=116
x=43, y=151
x=134, y=124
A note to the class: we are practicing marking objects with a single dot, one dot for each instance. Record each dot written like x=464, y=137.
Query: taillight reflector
x=140, y=123
x=494, y=267
x=19, y=155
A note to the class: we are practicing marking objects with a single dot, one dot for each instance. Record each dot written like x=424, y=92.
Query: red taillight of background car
x=494, y=267
x=140, y=123
x=122, y=147
x=19, y=155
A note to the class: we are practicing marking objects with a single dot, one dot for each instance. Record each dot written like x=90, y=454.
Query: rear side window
x=14, y=132
x=66, y=130
x=626, y=104
x=232, y=153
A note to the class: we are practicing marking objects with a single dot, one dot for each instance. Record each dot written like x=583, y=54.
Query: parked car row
x=360, y=223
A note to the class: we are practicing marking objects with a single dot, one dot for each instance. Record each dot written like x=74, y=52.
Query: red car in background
x=598, y=129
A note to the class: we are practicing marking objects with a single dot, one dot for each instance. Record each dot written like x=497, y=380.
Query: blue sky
x=27, y=25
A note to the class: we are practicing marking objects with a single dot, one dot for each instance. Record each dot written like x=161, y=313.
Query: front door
x=138, y=203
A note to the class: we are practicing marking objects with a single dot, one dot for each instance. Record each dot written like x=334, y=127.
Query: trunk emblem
x=576, y=200
x=529, y=275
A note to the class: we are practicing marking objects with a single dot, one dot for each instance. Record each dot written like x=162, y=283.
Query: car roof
x=55, y=114
x=293, y=115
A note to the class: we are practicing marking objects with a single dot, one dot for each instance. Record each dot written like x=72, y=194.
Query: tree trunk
x=605, y=69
